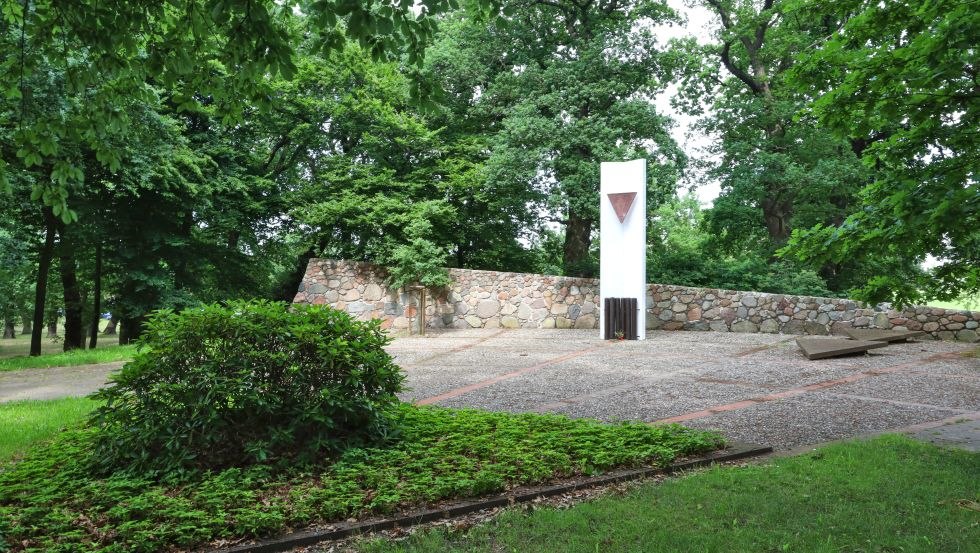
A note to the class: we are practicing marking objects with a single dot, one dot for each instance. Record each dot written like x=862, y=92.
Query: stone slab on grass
x=881, y=335
x=961, y=434
x=821, y=348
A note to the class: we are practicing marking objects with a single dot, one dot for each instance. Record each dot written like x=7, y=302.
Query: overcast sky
x=700, y=24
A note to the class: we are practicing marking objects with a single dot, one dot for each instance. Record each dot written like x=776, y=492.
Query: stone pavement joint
x=513, y=374
x=456, y=349
x=800, y=391
x=760, y=349
x=899, y=403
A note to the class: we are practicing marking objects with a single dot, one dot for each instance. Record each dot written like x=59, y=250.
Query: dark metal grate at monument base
x=619, y=318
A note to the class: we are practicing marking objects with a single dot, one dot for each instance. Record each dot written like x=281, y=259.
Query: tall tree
x=772, y=164
x=569, y=86
x=779, y=170
x=16, y=275
x=370, y=171
x=132, y=46
x=902, y=78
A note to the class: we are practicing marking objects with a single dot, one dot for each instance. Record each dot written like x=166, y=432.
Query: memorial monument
x=623, y=249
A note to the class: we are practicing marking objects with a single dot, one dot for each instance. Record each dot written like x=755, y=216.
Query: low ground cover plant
x=51, y=501
x=25, y=422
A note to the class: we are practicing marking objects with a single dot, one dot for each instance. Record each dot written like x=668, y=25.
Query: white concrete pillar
x=623, y=236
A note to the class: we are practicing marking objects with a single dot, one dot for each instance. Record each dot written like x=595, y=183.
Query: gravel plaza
x=752, y=387
x=756, y=388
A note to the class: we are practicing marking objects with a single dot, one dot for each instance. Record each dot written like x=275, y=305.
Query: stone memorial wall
x=491, y=299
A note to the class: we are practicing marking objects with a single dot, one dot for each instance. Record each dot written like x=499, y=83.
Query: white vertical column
x=623, y=244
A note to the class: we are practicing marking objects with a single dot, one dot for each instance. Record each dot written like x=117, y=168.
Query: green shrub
x=248, y=382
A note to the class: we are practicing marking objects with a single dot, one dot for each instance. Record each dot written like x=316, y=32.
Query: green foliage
x=842, y=497
x=16, y=267
x=901, y=77
x=381, y=182
x=244, y=383
x=117, y=51
x=748, y=273
x=418, y=262
x=441, y=454
x=680, y=252
x=564, y=86
x=778, y=170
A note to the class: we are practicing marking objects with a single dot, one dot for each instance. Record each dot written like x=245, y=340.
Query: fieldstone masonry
x=491, y=299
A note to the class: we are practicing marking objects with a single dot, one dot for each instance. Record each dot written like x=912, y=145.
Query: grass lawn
x=69, y=359
x=20, y=345
x=887, y=494
x=27, y=422
x=969, y=303
x=50, y=501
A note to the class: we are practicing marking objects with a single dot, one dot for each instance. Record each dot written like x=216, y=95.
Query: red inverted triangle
x=622, y=202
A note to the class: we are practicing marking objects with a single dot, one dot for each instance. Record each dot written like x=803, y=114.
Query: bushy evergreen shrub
x=248, y=382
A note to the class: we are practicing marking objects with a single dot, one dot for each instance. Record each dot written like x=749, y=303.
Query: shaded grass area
x=968, y=303
x=50, y=502
x=69, y=359
x=20, y=345
x=887, y=494
x=27, y=422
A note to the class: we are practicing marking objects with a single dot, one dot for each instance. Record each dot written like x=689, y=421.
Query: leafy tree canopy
x=565, y=85
x=115, y=51
x=903, y=77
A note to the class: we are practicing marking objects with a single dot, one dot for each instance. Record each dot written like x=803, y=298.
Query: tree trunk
x=286, y=290
x=97, y=300
x=110, y=329
x=53, y=324
x=776, y=213
x=41, y=288
x=74, y=335
x=575, y=254
x=26, y=319
x=132, y=329
x=9, y=329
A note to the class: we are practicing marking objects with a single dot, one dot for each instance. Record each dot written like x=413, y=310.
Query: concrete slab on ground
x=960, y=433
x=822, y=348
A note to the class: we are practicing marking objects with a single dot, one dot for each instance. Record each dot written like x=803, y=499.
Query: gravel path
x=55, y=382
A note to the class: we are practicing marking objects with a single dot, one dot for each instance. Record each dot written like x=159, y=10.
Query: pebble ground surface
x=752, y=387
